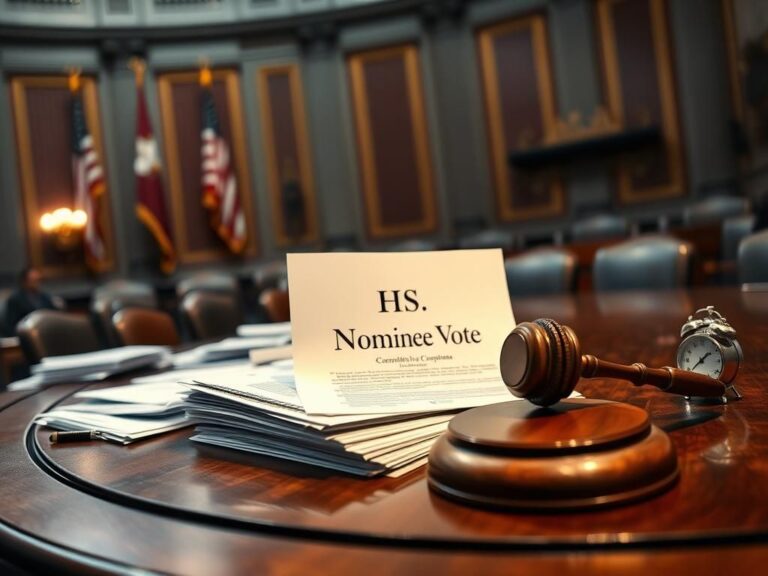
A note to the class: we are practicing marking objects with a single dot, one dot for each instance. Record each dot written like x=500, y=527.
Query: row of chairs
x=210, y=304
x=732, y=211
x=128, y=313
x=645, y=263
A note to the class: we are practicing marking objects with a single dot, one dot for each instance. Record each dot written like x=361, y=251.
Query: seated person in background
x=26, y=298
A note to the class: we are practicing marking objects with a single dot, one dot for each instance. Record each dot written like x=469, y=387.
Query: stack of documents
x=122, y=414
x=93, y=365
x=257, y=410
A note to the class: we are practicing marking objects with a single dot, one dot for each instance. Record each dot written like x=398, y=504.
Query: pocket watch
x=709, y=346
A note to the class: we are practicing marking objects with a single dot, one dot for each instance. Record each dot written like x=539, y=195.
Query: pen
x=74, y=436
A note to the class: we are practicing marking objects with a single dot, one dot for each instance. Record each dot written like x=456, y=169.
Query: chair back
x=753, y=258
x=145, y=326
x=600, y=227
x=116, y=294
x=5, y=330
x=208, y=315
x=714, y=209
x=493, y=238
x=270, y=275
x=643, y=263
x=735, y=229
x=54, y=333
x=276, y=305
x=218, y=282
x=414, y=245
x=126, y=289
x=541, y=271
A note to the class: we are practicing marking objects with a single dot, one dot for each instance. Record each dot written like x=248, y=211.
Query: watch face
x=701, y=354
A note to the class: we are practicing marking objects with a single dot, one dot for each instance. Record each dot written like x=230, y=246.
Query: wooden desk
x=165, y=505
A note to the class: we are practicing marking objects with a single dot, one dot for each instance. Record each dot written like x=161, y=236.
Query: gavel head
x=541, y=361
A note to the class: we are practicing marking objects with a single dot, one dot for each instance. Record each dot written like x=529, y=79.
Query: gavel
x=541, y=361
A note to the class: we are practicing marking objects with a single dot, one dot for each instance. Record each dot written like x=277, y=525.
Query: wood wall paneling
x=289, y=163
x=393, y=143
x=732, y=47
x=520, y=113
x=42, y=114
x=180, y=108
x=640, y=90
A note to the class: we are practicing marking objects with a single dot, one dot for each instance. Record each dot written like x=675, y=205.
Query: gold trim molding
x=670, y=126
x=551, y=126
x=165, y=83
x=89, y=90
x=304, y=169
x=356, y=63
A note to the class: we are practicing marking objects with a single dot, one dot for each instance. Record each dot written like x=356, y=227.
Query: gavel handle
x=668, y=379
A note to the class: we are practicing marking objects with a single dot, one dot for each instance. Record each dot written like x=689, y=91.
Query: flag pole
x=139, y=67
x=206, y=78
x=73, y=81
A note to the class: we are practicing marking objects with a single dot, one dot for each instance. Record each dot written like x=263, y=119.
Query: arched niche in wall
x=42, y=115
x=520, y=113
x=639, y=87
x=181, y=110
x=289, y=163
x=393, y=149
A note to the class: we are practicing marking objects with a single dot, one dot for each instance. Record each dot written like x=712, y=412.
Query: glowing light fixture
x=64, y=226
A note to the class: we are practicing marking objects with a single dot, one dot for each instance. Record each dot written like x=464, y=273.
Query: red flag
x=220, y=194
x=88, y=178
x=150, y=200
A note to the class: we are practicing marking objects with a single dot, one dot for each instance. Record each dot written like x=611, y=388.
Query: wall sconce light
x=65, y=226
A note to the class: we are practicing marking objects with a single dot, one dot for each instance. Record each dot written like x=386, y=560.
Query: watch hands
x=701, y=360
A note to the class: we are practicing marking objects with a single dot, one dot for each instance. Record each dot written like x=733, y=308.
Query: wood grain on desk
x=169, y=506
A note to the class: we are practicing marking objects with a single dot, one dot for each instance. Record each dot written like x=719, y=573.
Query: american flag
x=89, y=185
x=220, y=194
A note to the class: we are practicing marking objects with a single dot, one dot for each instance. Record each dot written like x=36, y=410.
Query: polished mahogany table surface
x=165, y=505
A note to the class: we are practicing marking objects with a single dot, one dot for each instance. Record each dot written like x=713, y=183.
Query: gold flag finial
x=206, y=78
x=139, y=67
x=74, y=78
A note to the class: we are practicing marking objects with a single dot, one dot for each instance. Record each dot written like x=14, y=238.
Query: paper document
x=270, y=329
x=121, y=429
x=122, y=414
x=398, y=332
x=93, y=366
x=228, y=349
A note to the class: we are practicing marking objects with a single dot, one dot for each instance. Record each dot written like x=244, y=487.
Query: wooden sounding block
x=577, y=453
x=550, y=453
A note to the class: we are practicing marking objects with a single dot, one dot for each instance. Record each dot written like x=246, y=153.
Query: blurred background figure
x=27, y=298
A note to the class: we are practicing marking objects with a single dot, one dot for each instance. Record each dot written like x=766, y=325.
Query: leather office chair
x=714, y=209
x=109, y=297
x=5, y=330
x=541, y=271
x=276, y=305
x=270, y=275
x=135, y=326
x=218, y=282
x=734, y=231
x=53, y=333
x=495, y=238
x=208, y=315
x=652, y=262
x=753, y=258
x=414, y=245
x=600, y=227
